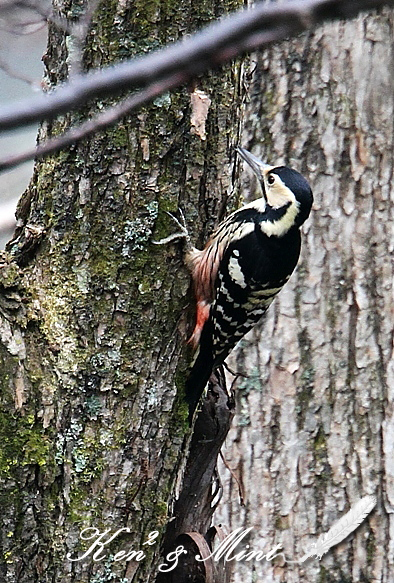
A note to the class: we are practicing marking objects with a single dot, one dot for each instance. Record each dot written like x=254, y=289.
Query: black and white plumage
x=245, y=264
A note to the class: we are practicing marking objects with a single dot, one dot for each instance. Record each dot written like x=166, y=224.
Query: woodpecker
x=244, y=265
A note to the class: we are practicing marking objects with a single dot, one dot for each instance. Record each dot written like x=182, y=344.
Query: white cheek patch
x=278, y=194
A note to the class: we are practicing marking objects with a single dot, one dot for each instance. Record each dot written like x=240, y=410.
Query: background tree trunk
x=92, y=317
x=314, y=426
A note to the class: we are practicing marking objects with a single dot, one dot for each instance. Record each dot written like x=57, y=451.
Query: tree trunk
x=314, y=426
x=93, y=315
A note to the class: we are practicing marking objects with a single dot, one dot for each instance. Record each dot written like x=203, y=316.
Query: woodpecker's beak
x=258, y=167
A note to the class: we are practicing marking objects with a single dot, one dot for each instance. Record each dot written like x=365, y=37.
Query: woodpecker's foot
x=234, y=373
x=182, y=234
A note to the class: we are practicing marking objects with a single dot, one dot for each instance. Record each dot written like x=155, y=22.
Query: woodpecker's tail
x=200, y=371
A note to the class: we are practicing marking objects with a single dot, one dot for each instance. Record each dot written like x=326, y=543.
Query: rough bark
x=93, y=315
x=314, y=424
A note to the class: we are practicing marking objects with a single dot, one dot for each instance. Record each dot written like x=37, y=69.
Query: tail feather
x=200, y=371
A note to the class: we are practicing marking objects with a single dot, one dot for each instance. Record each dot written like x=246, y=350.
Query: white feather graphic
x=341, y=529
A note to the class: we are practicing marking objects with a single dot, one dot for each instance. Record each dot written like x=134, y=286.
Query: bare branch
x=101, y=121
x=216, y=44
x=23, y=17
x=25, y=28
x=4, y=66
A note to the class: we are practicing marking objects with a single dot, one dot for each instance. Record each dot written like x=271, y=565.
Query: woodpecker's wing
x=251, y=273
x=236, y=300
x=204, y=265
x=239, y=303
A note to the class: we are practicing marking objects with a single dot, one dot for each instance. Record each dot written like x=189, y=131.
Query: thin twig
x=241, y=491
x=24, y=29
x=101, y=121
x=4, y=66
x=213, y=46
x=27, y=24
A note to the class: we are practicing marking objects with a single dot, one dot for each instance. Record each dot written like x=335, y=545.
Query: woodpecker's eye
x=271, y=179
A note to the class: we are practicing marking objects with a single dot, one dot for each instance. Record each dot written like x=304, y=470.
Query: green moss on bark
x=100, y=435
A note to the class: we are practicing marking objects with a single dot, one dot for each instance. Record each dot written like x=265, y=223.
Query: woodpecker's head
x=284, y=190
